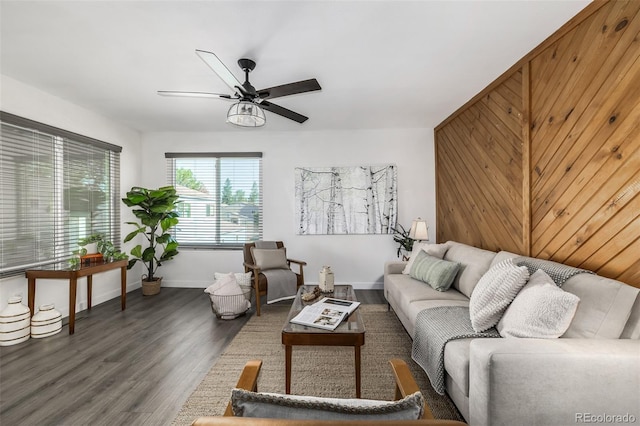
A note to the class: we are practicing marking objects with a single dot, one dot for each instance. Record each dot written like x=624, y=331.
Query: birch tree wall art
x=346, y=200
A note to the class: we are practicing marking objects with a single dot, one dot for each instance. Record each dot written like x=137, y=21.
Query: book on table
x=327, y=313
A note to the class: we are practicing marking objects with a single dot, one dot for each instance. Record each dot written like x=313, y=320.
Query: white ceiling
x=381, y=64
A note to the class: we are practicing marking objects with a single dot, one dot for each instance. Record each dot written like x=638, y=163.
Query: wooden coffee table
x=349, y=333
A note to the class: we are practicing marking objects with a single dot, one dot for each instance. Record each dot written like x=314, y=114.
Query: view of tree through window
x=221, y=198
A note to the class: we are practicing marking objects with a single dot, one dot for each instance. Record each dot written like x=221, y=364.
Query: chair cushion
x=541, y=310
x=266, y=259
x=494, y=292
x=438, y=273
x=274, y=406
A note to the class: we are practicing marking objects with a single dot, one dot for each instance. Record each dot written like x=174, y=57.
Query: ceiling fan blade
x=221, y=70
x=290, y=89
x=287, y=113
x=198, y=95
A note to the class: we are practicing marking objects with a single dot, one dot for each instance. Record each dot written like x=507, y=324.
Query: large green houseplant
x=156, y=213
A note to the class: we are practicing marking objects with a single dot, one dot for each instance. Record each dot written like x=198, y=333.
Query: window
x=224, y=194
x=56, y=187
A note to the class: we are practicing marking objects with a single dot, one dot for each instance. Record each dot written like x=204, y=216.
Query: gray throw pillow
x=274, y=406
x=270, y=258
x=438, y=273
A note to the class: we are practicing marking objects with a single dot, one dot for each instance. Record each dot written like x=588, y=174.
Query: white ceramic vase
x=325, y=280
x=47, y=322
x=14, y=322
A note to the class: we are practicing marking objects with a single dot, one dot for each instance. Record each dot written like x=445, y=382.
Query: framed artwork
x=345, y=200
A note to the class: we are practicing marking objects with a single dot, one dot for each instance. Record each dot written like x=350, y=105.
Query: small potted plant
x=89, y=245
x=156, y=213
x=405, y=242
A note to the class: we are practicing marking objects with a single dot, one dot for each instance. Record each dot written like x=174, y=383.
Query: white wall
x=355, y=259
x=25, y=101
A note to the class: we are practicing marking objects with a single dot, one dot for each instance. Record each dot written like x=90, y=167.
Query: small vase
x=14, y=322
x=325, y=280
x=46, y=322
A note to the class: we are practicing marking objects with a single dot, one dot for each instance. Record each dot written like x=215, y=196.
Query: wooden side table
x=72, y=273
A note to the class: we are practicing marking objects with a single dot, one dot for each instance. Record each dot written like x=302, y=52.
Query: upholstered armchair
x=258, y=278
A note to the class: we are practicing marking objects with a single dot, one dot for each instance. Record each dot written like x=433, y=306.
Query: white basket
x=231, y=306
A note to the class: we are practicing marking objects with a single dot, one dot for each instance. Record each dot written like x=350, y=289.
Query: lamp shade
x=246, y=114
x=419, y=230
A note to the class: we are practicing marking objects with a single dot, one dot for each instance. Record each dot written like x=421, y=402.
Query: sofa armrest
x=394, y=267
x=555, y=381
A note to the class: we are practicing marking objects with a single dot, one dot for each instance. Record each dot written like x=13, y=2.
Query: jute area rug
x=317, y=371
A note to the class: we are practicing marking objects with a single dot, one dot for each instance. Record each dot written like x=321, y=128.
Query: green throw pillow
x=438, y=273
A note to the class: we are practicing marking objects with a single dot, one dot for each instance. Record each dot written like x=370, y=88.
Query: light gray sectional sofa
x=591, y=373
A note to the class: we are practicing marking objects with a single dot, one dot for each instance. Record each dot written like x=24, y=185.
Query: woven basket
x=232, y=306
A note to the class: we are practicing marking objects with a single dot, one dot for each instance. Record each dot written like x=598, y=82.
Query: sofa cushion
x=604, y=309
x=438, y=273
x=416, y=306
x=435, y=250
x=474, y=262
x=404, y=290
x=541, y=310
x=456, y=363
x=494, y=292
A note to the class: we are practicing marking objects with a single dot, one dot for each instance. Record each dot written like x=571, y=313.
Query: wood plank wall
x=568, y=114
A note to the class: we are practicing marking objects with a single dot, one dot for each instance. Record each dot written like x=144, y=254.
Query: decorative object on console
x=419, y=230
x=326, y=280
x=46, y=322
x=15, y=322
x=346, y=200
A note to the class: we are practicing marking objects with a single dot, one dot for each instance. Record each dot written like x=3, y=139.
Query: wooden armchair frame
x=405, y=385
x=249, y=266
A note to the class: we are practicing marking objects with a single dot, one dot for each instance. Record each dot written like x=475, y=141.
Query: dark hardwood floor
x=133, y=367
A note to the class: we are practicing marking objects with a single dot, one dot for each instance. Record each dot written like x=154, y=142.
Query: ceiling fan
x=247, y=111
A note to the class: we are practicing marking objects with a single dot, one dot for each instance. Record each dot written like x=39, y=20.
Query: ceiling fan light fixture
x=246, y=114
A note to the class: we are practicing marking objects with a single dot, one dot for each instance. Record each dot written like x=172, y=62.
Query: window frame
x=63, y=143
x=213, y=208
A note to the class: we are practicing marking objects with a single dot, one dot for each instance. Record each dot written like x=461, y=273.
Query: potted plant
x=89, y=245
x=405, y=242
x=156, y=212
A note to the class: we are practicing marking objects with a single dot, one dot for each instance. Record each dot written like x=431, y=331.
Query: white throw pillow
x=226, y=285
x=270, y=258
x=541, y=310
x=435, y=250
x=243, y=279
x=495, y=290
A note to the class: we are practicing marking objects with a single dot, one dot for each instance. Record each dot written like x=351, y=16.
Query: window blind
x=221, y=198
x=56, y=187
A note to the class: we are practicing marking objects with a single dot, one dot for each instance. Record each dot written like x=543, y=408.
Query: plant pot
x=151, y=288
x=92, y=248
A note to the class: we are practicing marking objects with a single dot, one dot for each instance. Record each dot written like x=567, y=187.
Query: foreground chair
x=260, y=284
x=405, y=386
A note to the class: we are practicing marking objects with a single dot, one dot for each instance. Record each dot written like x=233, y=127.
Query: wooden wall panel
x=568, y=114
x=479, y=171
